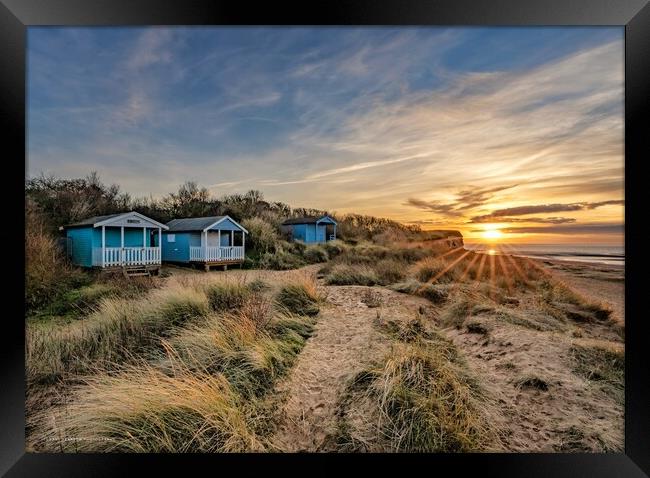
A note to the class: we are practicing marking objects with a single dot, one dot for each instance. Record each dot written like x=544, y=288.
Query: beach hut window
x=171, y=237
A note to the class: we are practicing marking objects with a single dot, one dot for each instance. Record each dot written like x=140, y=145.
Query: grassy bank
x=187, y=368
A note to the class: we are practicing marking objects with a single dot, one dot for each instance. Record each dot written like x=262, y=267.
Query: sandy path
x=344, y=343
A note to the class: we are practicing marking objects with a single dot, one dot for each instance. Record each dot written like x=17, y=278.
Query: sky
x=514, y=130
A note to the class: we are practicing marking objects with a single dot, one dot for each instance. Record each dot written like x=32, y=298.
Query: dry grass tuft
x=602, y=365
x=142, y=409
x=301, y=296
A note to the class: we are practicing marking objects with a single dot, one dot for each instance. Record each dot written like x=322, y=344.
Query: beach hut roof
x=188, y=224
x=308, y=220
x=109, y=219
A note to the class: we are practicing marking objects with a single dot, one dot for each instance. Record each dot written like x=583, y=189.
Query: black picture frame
x=17, y=15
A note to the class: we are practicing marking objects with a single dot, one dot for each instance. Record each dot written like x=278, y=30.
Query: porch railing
x=215, y=254
x=126, y=256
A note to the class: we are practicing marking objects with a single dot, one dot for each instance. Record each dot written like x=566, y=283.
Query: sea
x=589, y=253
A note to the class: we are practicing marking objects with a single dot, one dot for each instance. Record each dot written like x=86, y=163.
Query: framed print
x=380, y=231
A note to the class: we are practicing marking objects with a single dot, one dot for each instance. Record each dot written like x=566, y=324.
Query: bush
x=47, y=275
x=262, y=237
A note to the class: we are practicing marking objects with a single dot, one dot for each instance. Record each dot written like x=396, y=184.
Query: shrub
x=47, y=275
x=263, y=236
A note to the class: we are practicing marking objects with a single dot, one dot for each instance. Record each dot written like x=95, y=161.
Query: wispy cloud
x=567, y=229
x=501, y=214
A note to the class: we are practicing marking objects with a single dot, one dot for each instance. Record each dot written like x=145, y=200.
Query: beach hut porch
x=219, y=247
x=127, y=246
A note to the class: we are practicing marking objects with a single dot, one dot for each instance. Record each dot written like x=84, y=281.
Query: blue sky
x=396, y=122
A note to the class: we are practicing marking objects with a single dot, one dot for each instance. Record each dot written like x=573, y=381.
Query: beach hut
x=127, y=241
x=310, y=230
x=207, y=241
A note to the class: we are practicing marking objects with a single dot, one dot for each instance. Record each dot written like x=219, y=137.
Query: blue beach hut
x=116, y=241
x=215, y=240
x=310, y=230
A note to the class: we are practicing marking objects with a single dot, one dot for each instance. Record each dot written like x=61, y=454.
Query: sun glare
x=492, y=234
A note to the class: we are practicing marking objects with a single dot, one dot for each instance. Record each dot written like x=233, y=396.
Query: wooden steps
x=136, y=271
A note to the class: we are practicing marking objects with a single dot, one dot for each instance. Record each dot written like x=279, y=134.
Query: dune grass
x=177, y=371
x=426, y=399
x=300, y=296
x=115, y=331
x=601, y=365
x=143, y=409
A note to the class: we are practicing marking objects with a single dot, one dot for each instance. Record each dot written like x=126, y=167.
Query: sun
x=492, y=234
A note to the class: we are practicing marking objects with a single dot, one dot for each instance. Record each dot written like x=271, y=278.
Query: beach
x=597, y=282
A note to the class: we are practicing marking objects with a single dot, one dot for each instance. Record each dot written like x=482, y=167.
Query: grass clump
x=456, y=313
x=428, y=403
x=573, y=305
x=142, y=409
x=227, y=296
x=315, y=254
x=300, y=297
x=389, y=271
x=342, y=274
x=431, y=268
x=436, y=293
x=251, y=358
x=601, y=365
x=532, y=382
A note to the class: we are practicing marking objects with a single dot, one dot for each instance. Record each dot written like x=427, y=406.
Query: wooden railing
x=215, y=254
x=126, y=256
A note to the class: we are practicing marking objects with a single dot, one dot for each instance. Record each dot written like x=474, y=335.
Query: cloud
x=540, y=220
x=501, y=214
x=567, y=229
x=151, y=47
x=469, y=198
